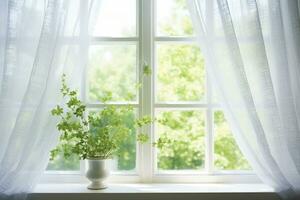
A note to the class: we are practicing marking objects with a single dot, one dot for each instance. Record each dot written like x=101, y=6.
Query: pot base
x=97, y=186
x=97, y=172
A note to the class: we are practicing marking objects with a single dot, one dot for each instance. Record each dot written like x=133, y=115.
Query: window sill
x=155, y=191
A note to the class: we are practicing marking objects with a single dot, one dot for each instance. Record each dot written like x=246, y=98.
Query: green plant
x=98, y=135
x=184, y=79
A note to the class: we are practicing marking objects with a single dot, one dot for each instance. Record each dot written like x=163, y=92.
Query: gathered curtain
x=39, y=41
x=252, y=52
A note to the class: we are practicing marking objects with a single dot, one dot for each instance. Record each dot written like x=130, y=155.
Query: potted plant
x=95, y=136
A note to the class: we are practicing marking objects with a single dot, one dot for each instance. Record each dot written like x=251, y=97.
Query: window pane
x=127, y=152
x=62, y=164
x=112, y=68
x=173, y=18
x=115, y=19
x=126, y=155
x=227, y=154
x=67, y=59
x=186, y=132
x=181, y=73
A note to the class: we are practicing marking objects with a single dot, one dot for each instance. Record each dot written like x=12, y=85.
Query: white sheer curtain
x=38, y=41
x=252, y=49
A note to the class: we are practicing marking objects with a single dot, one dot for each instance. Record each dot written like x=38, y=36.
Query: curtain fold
x=253, y=59
x=39, y=40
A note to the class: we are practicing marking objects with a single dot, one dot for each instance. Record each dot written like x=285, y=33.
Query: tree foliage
x=181, y=77
x=97, y=136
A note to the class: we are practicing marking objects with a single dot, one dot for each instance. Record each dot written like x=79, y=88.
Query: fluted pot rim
x=98, y=159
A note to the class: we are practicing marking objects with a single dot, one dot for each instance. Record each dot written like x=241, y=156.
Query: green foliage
x=147, y=70
x=143, y=138
x=181, y=73
x=181, y=77
x=73, y=125
x=143, y=121
x=227, y=154
x=181, y=135
x=100, y=135
x=112, y=69
x=179, y=22
x=59, y=162
x=162, y=142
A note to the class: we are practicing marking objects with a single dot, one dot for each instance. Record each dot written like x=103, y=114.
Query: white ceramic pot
x=97, y=172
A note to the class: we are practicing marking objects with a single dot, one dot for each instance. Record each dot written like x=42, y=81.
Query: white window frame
x=146, y=161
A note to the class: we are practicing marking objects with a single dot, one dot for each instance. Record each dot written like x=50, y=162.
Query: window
x=178, y=93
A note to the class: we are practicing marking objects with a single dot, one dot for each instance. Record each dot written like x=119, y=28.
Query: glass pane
x=62, y=164
x=67, y=59
x=185, y=131
x=126, y=155
x=173, y=18
x=112, y=68
x=127, y=151
x=227, y=154
x=181, y=73
x=115, y=18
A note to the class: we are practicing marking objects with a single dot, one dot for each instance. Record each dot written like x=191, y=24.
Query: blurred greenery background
x=180, y=78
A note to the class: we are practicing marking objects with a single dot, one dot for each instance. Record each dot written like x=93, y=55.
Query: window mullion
x=146, y=100
x=210, y=118
x=113, y=39
x=84, y=47
x=209, y=139
x=175, y=39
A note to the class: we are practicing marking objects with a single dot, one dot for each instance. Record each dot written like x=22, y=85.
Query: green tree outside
x=180, y=77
